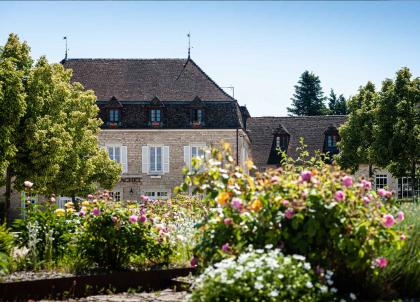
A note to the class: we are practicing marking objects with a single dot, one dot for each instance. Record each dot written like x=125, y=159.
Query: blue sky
x=260, y=48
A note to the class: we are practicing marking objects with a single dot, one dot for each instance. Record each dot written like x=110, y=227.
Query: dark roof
x=145, y=79
x=312, y=128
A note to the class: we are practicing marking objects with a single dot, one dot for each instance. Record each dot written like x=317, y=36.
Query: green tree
x=397, y=129
x=308, y=98
x=337, y=105
x=357, y=138
x=48, y=127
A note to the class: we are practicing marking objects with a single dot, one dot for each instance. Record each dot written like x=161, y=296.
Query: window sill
x=155, y=176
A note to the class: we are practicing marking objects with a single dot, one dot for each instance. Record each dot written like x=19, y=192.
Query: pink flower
x=226, y=247
x=133, y=218
x=306, y=175
x=82, y=213
x=237, y=203
x=381, y=262
x=228, y=221
x=285, y=203
x=339, y=196
x=388, y=221
x=367, y=185
x=28, y=184
x=275, y=179
x=114, y=219
x=382, y=192
x=90, y=196
x=289, y=213
x=194, y=262
x=347, y=181
x=366, y=200
x=400, y=216
x=144, y=198
x=403, y=237
x=96, y=211
x=143, y=218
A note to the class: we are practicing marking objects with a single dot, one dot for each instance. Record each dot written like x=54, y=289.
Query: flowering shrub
x=309, y=208
x=111, y=233
x=262, y=276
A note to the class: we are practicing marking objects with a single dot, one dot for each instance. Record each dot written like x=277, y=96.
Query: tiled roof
x=311, y=128
x=144, y=79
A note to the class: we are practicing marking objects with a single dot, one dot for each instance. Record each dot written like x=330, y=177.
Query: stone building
x=158, y=114
x=319, y=133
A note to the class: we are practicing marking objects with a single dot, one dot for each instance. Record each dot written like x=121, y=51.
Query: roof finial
x=189, y=44
x=65, y=55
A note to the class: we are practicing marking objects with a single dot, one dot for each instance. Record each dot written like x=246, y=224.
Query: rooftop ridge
x=125, y=59
x=305, y=116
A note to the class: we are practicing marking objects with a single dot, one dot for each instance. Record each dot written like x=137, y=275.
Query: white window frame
x=114, y=147
x=123, y=155
x=405, y=189
x=154, y=194
x=156, y=162
x=381, y=181
x=188, y=153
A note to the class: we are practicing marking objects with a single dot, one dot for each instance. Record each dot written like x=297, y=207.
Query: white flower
x=28, y=184
x=260, y=278
x=258, y=285
x=274, y=293
x=269, y=246
x=299, y=257
x=353, y=296
x=307, y=266
x=309, y=284
x=281, y=276
x=323, y=289
x=333, y=290
x=259, y=251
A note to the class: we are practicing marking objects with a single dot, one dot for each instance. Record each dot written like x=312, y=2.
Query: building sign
x=132, y=179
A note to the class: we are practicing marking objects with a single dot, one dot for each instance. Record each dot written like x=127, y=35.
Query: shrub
x=6, y=245
x=260, y=275
x=403, y=272
x=307, y=208
x=111, y=234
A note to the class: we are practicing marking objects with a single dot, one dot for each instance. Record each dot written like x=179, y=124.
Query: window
x=282, y=142
x=115, y=153
x=115, y=195
x=157, y=194
x=405, y=188
x=197, y=151
x=381, y=181
x=331, y=142
x=155, y=115
x=114, y=115
x=197, y=116
x=155, y=159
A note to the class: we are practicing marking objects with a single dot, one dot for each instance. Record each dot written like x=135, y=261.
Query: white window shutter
x=165, y=159
x=187, y=156
x=124, y=162
x=145, y=159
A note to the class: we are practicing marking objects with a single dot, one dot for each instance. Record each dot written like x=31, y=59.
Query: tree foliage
x=337, y=105
x=308, y=98
x=49, y=127
x=356, y=144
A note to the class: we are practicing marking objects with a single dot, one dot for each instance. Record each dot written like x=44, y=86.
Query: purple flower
x=194, y=262
x=237, y=204
x=367, y=185
x=347, y=181
x=403, y=237
x=82, y=213
x=382, y=192
x=306, y=175
x=339, y=195
x=289, y=213
x=381, y=262
x=96, y=211
x=226, y=247
x=133, y=218
x=143, y=218
x=366, y=200
x=388, y=220
x=144, y=198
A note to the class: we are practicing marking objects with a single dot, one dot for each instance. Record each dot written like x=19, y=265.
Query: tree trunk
x=8, y=195
x=370, y=171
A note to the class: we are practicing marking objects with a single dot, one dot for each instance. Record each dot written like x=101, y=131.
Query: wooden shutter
x=124, y=162
x=187, y=156
x=145, y=159
x=165, y=159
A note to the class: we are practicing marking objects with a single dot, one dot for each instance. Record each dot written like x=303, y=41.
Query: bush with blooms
x=305, y=207
x=263, y=275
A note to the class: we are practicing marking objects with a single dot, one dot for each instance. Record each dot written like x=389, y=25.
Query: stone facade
x=135, y=182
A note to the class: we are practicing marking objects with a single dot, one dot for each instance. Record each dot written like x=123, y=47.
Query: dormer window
x=197, y=116
x=155, y=115
x=114, y=116
x=330, y=142
x=280, y=144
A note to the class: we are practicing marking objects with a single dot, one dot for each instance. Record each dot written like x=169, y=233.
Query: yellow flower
x=256, y=205
x=222, y=198
x=60, y=212
x=70, y=210
x=85, y=203
x=83, y=208
x=249, y=164
x=69, y=204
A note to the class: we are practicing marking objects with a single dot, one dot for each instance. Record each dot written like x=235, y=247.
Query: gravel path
x=166, y=295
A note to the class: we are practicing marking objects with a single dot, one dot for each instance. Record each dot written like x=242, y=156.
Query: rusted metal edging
x=81, y=286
